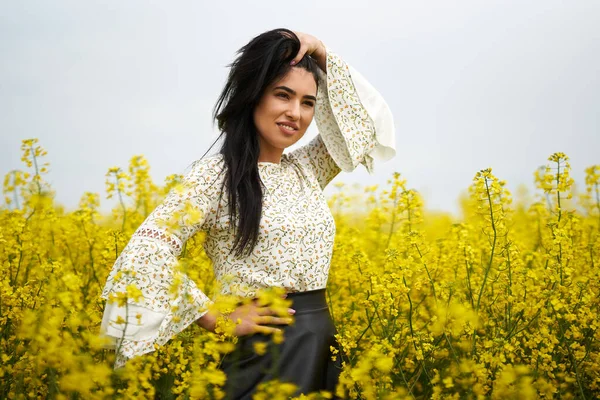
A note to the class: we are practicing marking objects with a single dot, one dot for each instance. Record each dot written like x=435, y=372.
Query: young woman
x=266, y=219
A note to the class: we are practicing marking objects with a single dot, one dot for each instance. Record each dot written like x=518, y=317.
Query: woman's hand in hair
x=310, y=45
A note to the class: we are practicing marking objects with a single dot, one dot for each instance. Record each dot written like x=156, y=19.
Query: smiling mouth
x=287, y=129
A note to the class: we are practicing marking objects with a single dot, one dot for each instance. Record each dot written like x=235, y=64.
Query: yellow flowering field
x=501, y=302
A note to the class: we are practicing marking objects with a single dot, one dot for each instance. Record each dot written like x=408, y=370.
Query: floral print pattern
x=297, y=228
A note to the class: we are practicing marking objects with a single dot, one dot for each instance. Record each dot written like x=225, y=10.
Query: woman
x=266, y=220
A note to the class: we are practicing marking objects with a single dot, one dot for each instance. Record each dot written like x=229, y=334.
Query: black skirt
x=304, y=358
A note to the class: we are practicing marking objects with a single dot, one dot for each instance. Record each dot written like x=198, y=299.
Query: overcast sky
x=471, y=84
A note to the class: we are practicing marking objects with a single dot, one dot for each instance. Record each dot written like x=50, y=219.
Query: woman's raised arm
x=355, y=123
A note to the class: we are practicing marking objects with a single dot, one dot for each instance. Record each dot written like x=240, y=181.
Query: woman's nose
x=293, y=110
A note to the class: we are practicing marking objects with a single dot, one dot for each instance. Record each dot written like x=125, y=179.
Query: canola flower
x=501, y=302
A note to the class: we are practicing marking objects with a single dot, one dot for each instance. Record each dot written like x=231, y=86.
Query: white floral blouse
x=297, y=229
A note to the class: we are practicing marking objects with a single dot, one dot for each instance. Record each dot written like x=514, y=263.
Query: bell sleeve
x=149, y=300
x=355, y=124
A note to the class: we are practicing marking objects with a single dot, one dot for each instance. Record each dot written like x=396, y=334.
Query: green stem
x=490, y=261
x=571, y=357
x=37, y=173
x=412, y=332
x=122, y=206
x=495, y=238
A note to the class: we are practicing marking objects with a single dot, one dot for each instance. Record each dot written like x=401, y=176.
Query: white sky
x=472, y=84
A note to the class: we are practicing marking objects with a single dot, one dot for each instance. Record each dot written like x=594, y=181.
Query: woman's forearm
x=208, y=321
x=320, y=56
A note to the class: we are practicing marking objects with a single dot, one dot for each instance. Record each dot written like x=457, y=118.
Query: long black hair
x=264, y=60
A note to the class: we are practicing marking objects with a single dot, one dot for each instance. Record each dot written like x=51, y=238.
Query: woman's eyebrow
x=291, y=91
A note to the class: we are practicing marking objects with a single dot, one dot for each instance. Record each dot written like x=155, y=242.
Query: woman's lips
x=287, y=130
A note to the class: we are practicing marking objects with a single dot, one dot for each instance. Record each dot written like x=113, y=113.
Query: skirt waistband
x=312, y=300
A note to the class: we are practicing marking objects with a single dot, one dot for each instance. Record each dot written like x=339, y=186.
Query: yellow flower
x=260, y=348
x=498, y=301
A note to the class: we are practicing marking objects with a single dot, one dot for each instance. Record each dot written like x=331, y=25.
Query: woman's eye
x=284, y=95
x=310, y=104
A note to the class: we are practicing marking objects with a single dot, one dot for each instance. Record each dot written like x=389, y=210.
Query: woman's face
x=284, y=112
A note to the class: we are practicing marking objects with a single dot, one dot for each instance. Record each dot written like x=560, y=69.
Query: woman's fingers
x=267, y=330
x=270, y=320
x=252, y=318
x=264, y=311
x=301, y=52
x=269, y=311
x=308, y=45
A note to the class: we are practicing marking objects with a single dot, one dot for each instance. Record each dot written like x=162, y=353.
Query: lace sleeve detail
x=161, y=235
x=148, y=274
